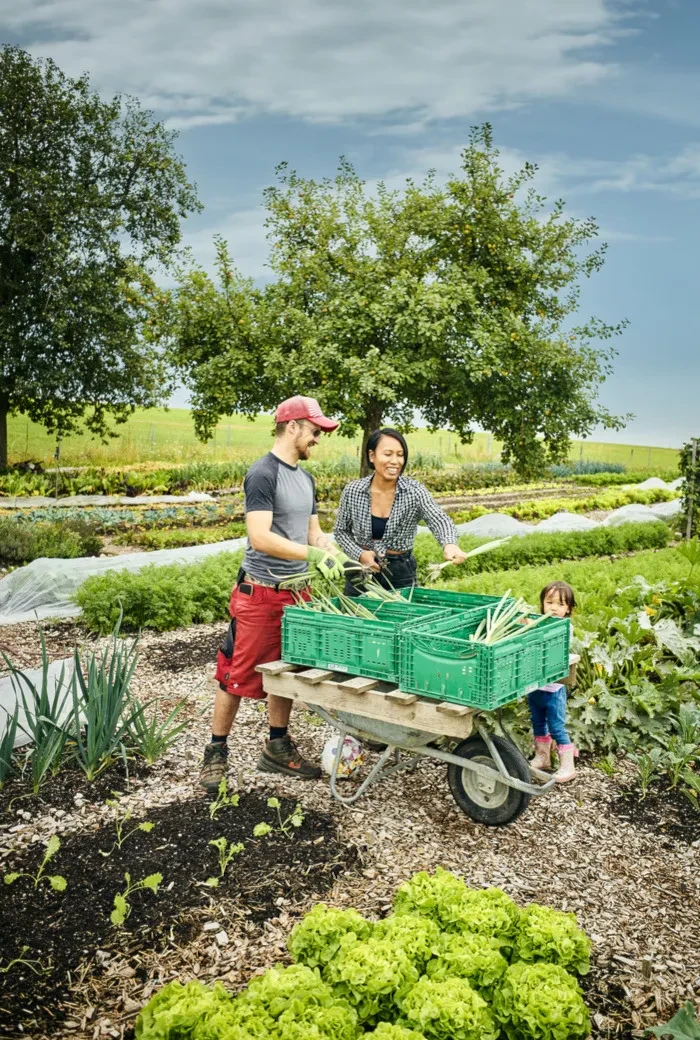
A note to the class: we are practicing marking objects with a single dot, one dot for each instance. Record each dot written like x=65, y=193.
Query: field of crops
x=157, y=436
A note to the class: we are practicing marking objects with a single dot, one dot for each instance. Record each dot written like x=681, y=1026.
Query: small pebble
x=211, y=926
x=222, y=938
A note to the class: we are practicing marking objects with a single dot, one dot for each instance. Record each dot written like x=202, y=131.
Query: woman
x=378, y=514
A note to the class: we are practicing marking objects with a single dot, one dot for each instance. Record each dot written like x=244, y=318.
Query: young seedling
x=261, y=830
x=223, y=798
x=122, y=906
x=295, y=818
x=58, y=883
x=31, y=964
x=119, y=821
x=226, y=851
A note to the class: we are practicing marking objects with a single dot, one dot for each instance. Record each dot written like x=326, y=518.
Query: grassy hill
x=154, y=436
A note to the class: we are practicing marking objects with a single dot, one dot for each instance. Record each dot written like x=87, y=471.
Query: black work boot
x=283, y=756
x=213, y=767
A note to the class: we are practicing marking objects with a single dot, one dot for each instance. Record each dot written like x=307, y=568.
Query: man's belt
x=289, y=585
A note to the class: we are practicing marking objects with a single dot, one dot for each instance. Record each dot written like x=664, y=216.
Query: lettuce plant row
x=449, y=963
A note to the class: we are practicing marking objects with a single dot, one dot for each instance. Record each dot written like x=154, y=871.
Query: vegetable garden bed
x=629, y=876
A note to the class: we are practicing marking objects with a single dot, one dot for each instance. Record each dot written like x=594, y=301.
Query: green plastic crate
x=447, y=598
x=354, y=645
x=439, y=661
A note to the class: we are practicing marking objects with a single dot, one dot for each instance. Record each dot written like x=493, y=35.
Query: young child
x=548, y=704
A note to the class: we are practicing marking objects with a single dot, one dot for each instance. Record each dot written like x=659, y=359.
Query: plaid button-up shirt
x=353, y=523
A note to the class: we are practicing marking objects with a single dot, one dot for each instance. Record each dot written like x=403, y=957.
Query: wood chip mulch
x=630, y=876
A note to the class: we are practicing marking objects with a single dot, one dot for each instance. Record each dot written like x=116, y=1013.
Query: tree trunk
x=4, y=410
x=372, y=422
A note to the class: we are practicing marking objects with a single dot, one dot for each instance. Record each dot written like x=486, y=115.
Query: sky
x=603, y=95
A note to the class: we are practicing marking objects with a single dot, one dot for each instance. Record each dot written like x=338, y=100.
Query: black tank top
x=378, y=527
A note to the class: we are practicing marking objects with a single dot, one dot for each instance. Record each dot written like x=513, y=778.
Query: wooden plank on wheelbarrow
x=357, y=685
x=276, y=667
x=312, y=676
x=374, y=704
x=456, y=710
x=399, y=697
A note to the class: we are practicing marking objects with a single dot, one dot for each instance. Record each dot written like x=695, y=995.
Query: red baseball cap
x=304, y=408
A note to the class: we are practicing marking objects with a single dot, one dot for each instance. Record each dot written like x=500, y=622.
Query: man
x=284, y=540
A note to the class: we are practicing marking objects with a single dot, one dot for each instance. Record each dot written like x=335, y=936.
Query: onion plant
x=149, y=737
x=100, y=690
x=7, y=745
x=47, y=711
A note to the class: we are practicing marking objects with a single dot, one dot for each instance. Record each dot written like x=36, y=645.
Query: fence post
x=631, y=455
x=153, y=435
x=580, y=454
x=691, y=496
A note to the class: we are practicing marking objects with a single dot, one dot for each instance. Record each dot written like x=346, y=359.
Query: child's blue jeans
x=548, y=714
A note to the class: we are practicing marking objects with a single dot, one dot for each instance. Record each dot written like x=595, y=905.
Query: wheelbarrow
x=489, y=777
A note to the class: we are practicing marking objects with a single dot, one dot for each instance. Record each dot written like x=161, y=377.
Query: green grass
x=155, y=436
x=598, y=578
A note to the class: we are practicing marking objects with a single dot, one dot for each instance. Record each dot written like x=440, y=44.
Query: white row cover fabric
x=42, y=501
x=45, y=588
x=499, y=525
x=651, y=483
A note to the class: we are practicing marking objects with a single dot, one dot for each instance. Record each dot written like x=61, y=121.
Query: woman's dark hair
x=374, y=439
x=564, y=592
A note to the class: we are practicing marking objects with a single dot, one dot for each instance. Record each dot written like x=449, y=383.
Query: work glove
x=325, y=563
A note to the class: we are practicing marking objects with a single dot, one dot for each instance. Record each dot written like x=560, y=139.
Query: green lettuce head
x=338, y=1022
x=387, y=1031
x=178, y=1011
x=315, y=940
x=540, y=1002
x=372, y=976
x=476, y=958
x=418, y=936
x=490, y=912
x=295, y=989
x=552, y=936
x=439, y=896
x=448, y=1010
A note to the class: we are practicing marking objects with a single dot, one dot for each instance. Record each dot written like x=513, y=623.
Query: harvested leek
x=504, y=621
x=435, y=569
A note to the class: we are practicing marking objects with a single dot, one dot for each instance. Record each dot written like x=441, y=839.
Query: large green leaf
x=683, y=1026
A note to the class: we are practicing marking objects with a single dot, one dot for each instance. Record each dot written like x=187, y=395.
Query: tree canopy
x=92, y=196
x=455, y=299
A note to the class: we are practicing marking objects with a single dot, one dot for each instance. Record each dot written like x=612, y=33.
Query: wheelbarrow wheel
x=483, y=799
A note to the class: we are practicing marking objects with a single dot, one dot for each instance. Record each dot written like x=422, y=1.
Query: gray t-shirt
x=288, y=492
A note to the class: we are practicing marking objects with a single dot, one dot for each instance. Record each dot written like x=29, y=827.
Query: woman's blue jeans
x=548, y=714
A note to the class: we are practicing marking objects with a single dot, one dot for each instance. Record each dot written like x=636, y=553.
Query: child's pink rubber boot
x=567, y=769
x=543, y=753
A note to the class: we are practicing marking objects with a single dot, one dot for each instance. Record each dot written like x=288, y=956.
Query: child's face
x=555, y=605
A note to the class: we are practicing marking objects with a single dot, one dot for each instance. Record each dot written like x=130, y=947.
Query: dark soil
x=63, y=929
x=606, y=998
x=196, y=651
x=59, y=791
x=664, y=811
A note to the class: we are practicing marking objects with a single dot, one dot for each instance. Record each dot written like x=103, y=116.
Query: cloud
x=244, y=231
x=557, y=175
x=560, y=174
x=325, y=60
